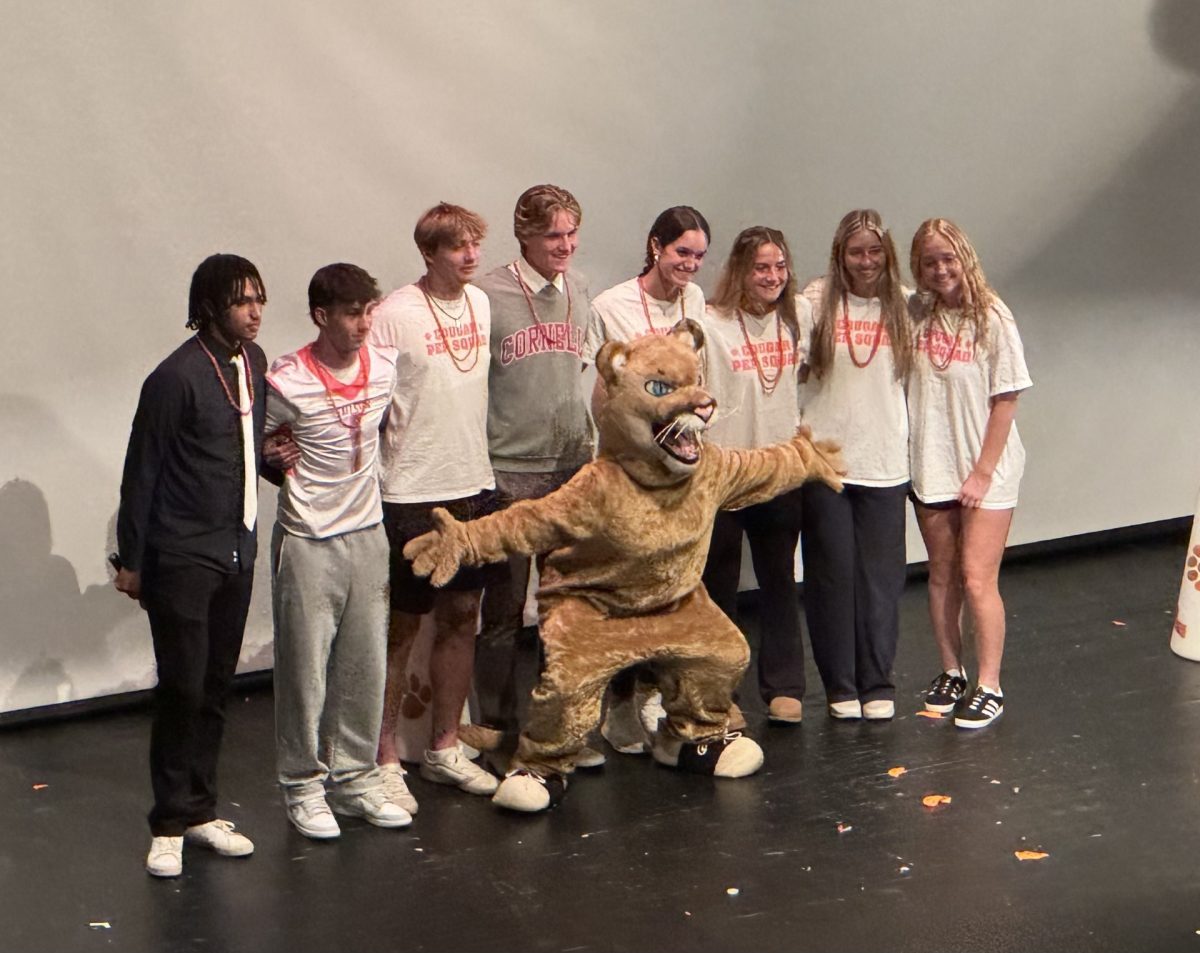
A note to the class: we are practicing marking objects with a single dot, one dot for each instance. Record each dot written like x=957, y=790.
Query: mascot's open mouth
x=680, y=438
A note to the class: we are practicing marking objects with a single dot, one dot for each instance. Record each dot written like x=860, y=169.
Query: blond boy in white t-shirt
x=435, y=453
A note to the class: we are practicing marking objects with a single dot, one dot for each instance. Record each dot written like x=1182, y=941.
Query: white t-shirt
x=736, y=362
x=334, y=487
x=948, y=409
x=618, y=315
x=435, y=444
x=862, y=408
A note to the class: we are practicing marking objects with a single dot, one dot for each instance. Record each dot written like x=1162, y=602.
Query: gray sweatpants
x=330, y=598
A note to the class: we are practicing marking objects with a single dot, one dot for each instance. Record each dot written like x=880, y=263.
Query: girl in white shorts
x=966, y=458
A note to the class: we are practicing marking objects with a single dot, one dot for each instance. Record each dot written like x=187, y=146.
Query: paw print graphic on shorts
x=1193, y=567
x=416, y=699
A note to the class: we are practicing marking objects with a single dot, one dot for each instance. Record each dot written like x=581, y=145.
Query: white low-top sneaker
x=589, y=757
x=313, y=818
x=397, y=788
x=220, y=836
x=847, y=710
x=166, y=857
x=451, y=766
x=374, y=807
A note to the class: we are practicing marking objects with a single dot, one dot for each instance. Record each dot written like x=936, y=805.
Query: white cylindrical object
x=1185, y=634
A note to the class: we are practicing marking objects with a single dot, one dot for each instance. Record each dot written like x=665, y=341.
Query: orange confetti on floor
x=40, y=787
x=897, y=771
x=933, y=800
x=1030, y=854
x=1118, y=622
x=929, y=714
x=842, y=828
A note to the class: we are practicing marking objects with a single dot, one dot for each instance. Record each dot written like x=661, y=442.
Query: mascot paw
x=439, y=553
x=480, y=737
x=527, y=792
x=732, y=756
x=822, y=458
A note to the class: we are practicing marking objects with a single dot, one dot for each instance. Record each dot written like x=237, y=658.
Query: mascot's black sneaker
x=525, y=791
x=732, y=756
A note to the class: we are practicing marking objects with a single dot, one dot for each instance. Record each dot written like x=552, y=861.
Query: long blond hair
x=977, y=295
x=731, y=288
x=893, y=311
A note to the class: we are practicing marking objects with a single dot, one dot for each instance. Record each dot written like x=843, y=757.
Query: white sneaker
x=166, y=857
x=395, y=787
x=374, y=807
x=846, y=710
x=880, y=709
x=451, y=766
x=313, y=818
x=622, y=727
x=588, y=757
x=220, y=836
x=652, y=712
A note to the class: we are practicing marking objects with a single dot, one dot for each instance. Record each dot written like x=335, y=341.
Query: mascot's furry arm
x=528, y=527
x=754, y=476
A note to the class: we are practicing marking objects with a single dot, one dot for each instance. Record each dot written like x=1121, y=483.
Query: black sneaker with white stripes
x=980, y=710
x=945, y=692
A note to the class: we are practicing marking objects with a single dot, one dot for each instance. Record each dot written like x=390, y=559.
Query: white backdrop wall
x=138, y=138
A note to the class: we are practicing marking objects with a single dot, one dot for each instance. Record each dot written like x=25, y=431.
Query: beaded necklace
x=850, y=339
x=938, y=365
x=646, y=306
x=768, y=384
x=529, y=297
x=472, y=350
x=235, y=404
x=350, y=414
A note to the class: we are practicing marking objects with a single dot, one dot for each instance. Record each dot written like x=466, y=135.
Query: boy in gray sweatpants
x=330, y=564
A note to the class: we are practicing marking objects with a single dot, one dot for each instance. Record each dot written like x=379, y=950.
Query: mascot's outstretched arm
x=757, y=475
x=526, y=528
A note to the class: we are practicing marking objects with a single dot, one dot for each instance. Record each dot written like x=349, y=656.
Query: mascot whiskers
x=623, y=546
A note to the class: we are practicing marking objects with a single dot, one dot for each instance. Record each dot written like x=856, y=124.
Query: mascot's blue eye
x=659, y=388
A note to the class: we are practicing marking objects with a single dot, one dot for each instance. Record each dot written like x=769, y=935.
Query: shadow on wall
x=60, y=644
x=1127, y=242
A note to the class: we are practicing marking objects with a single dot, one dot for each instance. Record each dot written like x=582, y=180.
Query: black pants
x=197, y=618
x=854, y=567
x=773, y=528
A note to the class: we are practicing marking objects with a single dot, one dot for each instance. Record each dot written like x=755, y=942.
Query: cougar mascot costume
x=624, y=545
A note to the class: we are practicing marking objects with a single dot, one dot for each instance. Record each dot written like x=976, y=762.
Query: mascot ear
x=690, y=333
x=612, y=357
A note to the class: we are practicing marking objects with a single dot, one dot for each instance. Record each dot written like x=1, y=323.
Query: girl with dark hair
x=853, y=543
x=652, y=303
x=751, y=366
x=663, y=294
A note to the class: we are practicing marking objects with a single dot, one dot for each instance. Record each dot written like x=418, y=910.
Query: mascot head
x=652, y=411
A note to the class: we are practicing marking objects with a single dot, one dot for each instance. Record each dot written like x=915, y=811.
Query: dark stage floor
x=1095, y=762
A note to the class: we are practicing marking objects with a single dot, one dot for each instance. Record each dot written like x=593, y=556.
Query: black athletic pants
x=773, y=529
x=854, y=569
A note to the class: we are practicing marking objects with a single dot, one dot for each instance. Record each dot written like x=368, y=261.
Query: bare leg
x=941, y=529
x=402, y=633
x=452, y=662
x=984, y=533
